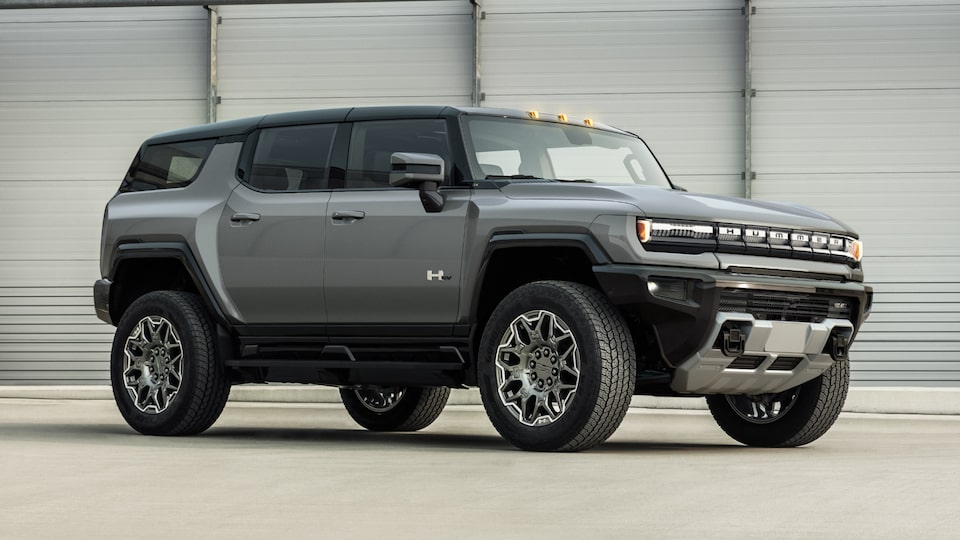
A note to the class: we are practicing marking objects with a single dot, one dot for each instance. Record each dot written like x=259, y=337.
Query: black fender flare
x=582, y=241
x=179, y=251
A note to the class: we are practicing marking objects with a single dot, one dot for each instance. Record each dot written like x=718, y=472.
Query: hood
x=655, y=202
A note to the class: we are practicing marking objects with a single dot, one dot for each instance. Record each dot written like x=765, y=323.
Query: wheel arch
x=140, y=268
x=514, y=259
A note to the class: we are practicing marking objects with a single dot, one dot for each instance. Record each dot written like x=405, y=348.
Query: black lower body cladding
x=101, y=300
x=681, y=305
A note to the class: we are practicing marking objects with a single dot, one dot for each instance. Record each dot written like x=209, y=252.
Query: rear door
x=388, y=261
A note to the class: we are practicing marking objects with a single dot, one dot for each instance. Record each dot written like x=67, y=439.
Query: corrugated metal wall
x=669, y=71
x=79, y=90
x=857, y=113
x=294, y=57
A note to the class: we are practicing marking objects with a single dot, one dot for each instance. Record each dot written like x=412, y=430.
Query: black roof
x=346, y=114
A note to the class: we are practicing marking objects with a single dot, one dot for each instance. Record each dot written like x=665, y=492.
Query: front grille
x=782, y=306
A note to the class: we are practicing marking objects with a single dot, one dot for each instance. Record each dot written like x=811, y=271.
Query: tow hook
x=732, y=342
x=841, y=347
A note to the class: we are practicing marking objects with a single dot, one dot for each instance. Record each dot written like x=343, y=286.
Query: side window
x=292, y=158
x=171, y=165
x=372, y=143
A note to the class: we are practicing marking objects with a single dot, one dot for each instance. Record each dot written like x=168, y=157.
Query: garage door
x=294, y=57
x=858, y=113
x=672, y=72
x=79, y=91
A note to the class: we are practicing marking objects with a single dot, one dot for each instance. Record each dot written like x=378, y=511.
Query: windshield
x=507, y=148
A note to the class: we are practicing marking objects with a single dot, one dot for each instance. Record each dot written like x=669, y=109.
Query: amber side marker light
x=644, y=228
x=533, y=114
x=588, y=121
x=856, y=250
x=562, y=117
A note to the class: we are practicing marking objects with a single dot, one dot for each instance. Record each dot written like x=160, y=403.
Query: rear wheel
x=164, y=369
x=556, y=367
x=394, y=408
x=794, y=417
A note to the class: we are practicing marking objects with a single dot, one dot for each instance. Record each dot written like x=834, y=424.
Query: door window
x=372, y=143
x=292, y=158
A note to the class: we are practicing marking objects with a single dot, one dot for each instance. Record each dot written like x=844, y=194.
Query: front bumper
x=101, y=300
x=773, y=351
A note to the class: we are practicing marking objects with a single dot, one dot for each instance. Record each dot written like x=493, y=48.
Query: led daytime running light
x=781, y=239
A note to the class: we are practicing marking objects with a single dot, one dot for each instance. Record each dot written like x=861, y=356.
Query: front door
x=387, y=260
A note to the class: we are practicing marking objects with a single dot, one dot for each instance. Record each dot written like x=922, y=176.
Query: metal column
x=478, y=15
x=212, y=98
x=748, y=94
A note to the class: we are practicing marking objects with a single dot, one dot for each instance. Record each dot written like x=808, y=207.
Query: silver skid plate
x=800, y=345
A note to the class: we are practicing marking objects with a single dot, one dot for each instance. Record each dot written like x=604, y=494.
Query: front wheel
x=556, y=368
x=794, y=417
x=394, y=408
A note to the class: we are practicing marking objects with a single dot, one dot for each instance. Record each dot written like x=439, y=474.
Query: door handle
x=244, y=217
x=341, y=215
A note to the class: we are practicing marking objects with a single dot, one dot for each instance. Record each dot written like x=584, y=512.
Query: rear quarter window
x=162, y=166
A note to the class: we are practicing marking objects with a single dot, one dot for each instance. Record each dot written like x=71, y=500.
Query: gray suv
x=399, y=252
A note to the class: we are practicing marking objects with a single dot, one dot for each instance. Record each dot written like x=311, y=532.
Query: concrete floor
x=74, y=469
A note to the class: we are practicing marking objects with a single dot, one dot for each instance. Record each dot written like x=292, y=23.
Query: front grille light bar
x=700, y=237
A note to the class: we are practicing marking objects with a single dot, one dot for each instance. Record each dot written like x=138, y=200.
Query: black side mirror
x=423, y=171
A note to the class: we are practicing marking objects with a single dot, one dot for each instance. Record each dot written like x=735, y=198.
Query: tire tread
x=615, y=388
x=431, y=404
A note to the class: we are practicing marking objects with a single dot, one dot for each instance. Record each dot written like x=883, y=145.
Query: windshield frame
x=477, y=173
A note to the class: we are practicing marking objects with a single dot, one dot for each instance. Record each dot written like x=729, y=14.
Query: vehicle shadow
x=286, y=437
x=433, y=440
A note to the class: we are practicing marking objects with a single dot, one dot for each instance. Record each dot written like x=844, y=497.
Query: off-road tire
x=607, y=367
x=204, y=387
x=416, y=409
x=815, y=409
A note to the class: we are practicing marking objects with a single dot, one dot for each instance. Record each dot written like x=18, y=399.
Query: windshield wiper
x=529, y=177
